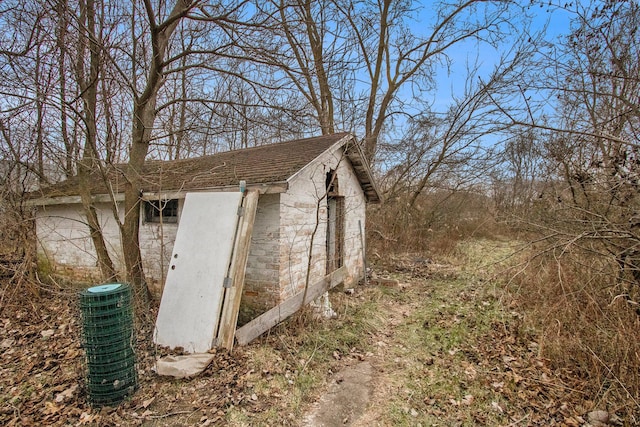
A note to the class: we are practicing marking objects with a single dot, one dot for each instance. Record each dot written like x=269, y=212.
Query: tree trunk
x=131, y=226
x=144, y=115
x=89, y=161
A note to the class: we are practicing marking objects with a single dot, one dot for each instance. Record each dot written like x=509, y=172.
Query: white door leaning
x=193, y=291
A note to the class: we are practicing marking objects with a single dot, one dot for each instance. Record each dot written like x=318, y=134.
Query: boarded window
x=335, y=223
x=332, y=183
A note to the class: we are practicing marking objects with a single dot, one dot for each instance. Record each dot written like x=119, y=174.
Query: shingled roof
x=265, y=164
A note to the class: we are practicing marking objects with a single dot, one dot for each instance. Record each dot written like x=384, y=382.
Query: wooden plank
x=272, y=188
x=271, y=318
x=64, y=200
x=233, y=295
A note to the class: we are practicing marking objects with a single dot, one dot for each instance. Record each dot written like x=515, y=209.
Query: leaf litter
x=446, y=354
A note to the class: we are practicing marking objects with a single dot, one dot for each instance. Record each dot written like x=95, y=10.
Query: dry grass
x=586, y=328
x=435, y=224
x=570, y=300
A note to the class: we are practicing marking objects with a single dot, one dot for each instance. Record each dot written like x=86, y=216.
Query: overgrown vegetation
x=586, y=325
x=577, y=305
x=435, y=223
x=559, y=312
x=567, y=188
x=548, y=336
x=480, y=331
x=17, y=246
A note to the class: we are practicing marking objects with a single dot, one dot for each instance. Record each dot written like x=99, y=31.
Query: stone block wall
x=355, y=210
x=303, y=213
x=261, y=290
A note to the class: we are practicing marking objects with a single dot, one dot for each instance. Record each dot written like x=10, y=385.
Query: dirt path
x=382, y=384
x=356, y=396
x=451, y=354
x=346, y=400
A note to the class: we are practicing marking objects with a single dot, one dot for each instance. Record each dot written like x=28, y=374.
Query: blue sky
x=451, y=82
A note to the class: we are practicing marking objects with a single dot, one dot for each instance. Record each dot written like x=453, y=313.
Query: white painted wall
x=355, y=209
x=64, y=242
x=298, y=221
x=156, y=244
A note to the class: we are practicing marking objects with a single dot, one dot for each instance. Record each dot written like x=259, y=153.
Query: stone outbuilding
x=313, y=196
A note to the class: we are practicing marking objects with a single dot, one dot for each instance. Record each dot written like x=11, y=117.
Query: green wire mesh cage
x=107, y=338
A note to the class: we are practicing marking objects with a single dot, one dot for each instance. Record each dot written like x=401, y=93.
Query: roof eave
x=71, y=200
x=264, y=188
x=363, y=172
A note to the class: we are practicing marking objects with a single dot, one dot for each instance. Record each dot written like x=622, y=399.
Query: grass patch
x=293, y=365
x=434, y=361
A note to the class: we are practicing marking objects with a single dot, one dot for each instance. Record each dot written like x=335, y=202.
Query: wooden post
x=233, y=295
x=364, y=252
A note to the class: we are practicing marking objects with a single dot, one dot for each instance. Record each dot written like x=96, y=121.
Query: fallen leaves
x=518, y=376
x=146, y=403
x=42, y=375
x=499, y=375
x=47, y=333
x=67, y=394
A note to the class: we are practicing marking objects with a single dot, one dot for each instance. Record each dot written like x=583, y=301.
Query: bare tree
x=89, y=48
x=463, y=143
x=395, y=57
x=352, y=59
x=144, y=115
x=292, y=43
x=167, y=80
x=26, y=86
x=589, y=135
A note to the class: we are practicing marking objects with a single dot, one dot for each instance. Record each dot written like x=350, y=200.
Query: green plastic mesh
x=107, y=338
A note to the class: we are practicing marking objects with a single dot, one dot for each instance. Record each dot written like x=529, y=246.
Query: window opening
x=331, y=183
x=156, y=211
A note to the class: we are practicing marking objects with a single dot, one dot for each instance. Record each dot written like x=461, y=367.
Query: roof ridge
x=337, y=135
